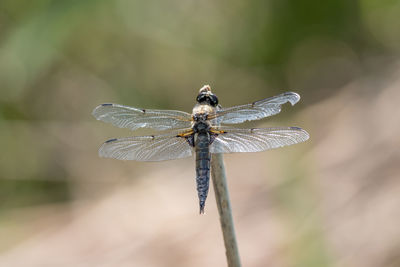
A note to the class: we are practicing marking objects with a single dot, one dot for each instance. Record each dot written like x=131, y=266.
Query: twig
x=224, y=209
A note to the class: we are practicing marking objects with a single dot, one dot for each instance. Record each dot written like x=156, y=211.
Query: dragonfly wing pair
x=174, y=144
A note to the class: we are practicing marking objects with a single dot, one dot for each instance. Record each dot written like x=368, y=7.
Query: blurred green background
x=332, y=201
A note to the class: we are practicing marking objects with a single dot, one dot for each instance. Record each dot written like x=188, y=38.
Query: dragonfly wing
x=256, y=140
x=134, y=118
x=147, y=148
x=256, y=110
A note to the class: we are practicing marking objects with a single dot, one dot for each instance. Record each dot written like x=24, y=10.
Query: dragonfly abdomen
x=202, y=167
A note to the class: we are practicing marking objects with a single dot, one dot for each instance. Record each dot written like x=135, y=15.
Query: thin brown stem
x=224, y=209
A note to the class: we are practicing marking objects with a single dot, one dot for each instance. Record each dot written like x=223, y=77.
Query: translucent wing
x=147, y=148
x=256, y=110
x=255, y=140
x=134, y=118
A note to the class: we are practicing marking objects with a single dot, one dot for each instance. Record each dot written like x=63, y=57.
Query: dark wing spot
x=252, y=104
x=111, y=140
x=212, y=138
x=106, y=104
x=190, y=140
x=252, y=130
x=295, y=128
x=152, y=137
x=144, y=111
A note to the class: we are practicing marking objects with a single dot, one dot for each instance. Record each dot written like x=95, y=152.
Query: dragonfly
x=204, y=132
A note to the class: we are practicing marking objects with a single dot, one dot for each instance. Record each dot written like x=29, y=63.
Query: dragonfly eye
x=213, y=100
x=208, y=98
x=201, y=98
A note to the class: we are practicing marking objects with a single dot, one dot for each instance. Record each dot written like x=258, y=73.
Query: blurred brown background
x=332, y=201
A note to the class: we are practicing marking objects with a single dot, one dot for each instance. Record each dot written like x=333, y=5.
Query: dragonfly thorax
x=201, y=127
x=198, y=117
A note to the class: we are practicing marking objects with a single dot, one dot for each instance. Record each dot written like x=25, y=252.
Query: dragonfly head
x=205, y=96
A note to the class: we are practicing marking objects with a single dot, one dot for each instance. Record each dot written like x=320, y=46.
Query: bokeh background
x=332, y=201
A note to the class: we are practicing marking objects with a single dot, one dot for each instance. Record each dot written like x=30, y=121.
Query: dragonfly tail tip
x=201, y=209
